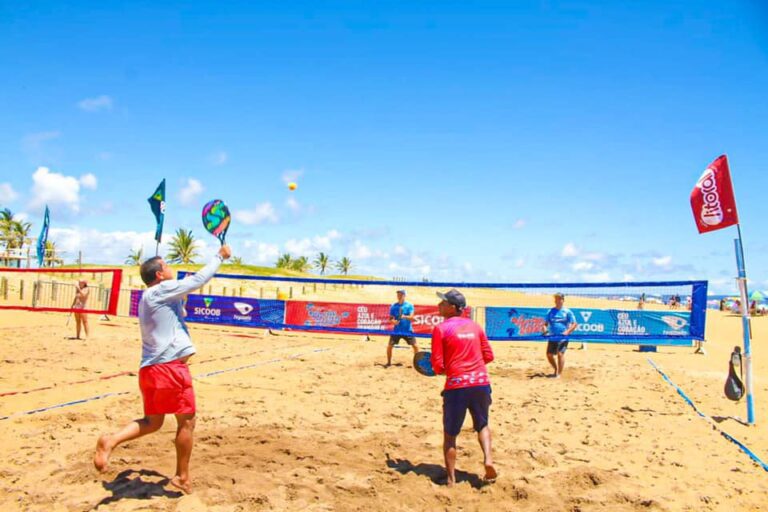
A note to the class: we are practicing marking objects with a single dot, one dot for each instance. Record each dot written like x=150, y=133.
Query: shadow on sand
x=434, y=472
x=129, y=484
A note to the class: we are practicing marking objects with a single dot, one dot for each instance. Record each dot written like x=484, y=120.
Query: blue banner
x=607, y=325
x=157, y=204
x=43, y=238
x=239, y=311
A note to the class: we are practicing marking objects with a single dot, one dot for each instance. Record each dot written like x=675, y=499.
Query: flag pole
x=746, y=325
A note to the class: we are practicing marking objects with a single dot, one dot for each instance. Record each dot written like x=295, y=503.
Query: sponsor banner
x=240, y=311
x=606, y=323
x=368, y=317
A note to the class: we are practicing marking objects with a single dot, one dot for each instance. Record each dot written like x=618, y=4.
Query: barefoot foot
x=185, y=486
x=490, y=473
x=103, y=450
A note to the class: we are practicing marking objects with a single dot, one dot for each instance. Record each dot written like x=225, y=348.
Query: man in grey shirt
x=164, y=378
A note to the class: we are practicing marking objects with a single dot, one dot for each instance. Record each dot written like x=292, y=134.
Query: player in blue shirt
x=400, y=317
x=559, y=323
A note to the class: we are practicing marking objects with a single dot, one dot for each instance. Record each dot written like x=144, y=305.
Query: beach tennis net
x=54, y=289
x=654, y=313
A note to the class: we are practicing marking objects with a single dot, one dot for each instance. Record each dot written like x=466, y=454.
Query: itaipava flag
x=712, y=200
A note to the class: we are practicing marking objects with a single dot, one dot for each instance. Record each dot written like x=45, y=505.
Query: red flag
x=712, y=201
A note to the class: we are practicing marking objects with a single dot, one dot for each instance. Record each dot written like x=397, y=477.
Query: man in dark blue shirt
x=559, y=323
x=400, y=317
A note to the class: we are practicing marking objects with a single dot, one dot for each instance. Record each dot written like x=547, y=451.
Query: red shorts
x=167, y=389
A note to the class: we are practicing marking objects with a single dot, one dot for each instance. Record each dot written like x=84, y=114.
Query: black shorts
x=456, y=402
x=553, y=347
x=395, y=339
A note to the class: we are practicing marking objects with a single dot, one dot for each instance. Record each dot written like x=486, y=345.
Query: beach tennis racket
x=423, y=364
x=216, y=219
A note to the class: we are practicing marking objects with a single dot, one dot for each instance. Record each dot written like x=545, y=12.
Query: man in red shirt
x=460, y=350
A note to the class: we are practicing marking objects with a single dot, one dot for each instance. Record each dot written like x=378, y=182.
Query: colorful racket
x=423, y=364
x=216, y=219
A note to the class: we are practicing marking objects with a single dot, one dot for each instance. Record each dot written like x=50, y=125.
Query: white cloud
x=663, y=261
x=360, y=251
x=190, y=192
x=219, y=158
x=596, y=277
x=34, y=141
x=261, y=253
x=88, y=181
x=293, y=205
x=569, y=251
x=56, y=189
x=519, y=263
x=7, y=194
x=104, y=155
x=583, y=265
x=100, y=246
x=399, y=250
x=261, y=213
x=311, y=246
x=519, y=224
x=292, y=175
x=96, y=104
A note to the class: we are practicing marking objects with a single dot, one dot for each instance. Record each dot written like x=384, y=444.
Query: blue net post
x=746, y=327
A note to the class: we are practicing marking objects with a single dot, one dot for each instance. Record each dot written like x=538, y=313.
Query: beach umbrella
x=757, y=295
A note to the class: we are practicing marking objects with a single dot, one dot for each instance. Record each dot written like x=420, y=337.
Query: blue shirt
x=164, y=335
x=559, y=320
x=397, y=311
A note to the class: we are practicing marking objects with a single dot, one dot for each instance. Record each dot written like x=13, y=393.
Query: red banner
x=712, y=200
x=357, y=316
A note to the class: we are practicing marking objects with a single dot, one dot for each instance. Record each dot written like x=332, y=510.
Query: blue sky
x=516, y=141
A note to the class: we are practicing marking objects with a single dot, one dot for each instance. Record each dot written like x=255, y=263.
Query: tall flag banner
x=712, y=200
x=43, y=238
x=157, y=203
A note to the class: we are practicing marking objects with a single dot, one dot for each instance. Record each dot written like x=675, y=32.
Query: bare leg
x=551, y=359
x=133, y=430
x=389, y=354
x=184, y=442
x=449, y=452
x=560, y=362
x=484, y=437
x=84, y=318
x=415, y=348
x=78, y=320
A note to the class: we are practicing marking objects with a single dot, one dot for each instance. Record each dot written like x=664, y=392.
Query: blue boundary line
x=203, y=376
x=729, y=437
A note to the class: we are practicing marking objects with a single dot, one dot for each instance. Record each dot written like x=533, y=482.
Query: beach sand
x=315, y=422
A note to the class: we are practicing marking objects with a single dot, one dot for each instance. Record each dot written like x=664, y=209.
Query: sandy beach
x=298, y=421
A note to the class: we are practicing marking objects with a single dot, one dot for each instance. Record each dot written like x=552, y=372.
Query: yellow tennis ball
x=292, y=186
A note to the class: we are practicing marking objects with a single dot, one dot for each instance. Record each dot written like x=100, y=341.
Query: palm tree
x=6, y=218
x=19, y=233
x=344, y=265
x=183, y=248
x=14, y=232
x=321, y=262
x=135, y=257
x=51, y=254
x=301, y=264
x=284, y=261
x=236, y=260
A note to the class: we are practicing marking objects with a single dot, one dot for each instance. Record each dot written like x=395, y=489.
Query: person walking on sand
x=559, y=323
x=400, y=317
x=460, y=350
x=80, y=301
x=164, y=378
